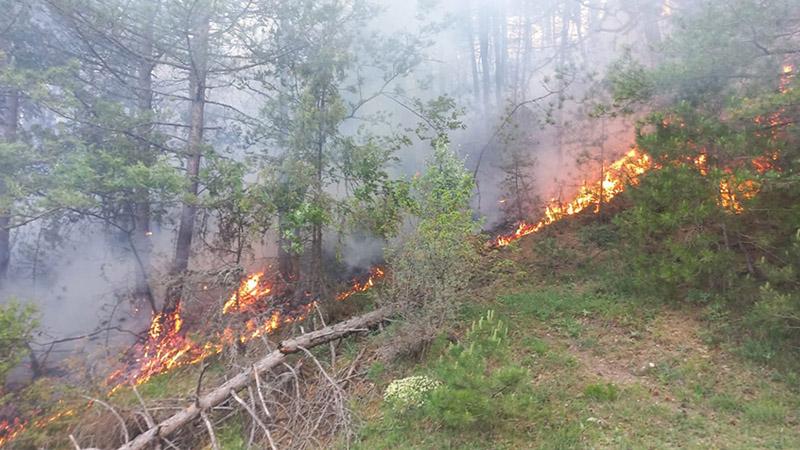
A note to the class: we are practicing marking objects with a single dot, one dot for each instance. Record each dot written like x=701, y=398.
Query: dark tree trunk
x=651, y=16
x=10, y=123
x=563, y=57
x=317, y=281
x=140, y=241
x=194, y=149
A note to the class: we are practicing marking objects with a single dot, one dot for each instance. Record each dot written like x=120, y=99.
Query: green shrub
x=481, y=390
x=433, y=264
x=672, y=244
x=17, y=323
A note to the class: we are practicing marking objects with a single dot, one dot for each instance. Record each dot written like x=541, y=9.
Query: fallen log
x=241, y=380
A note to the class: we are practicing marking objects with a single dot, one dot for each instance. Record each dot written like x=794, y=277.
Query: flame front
x=168, y=347
x=10, y=429
x=375, y=274
x=250, y=292
x=622, y=172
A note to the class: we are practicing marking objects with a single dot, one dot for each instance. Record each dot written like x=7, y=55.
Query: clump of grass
x=765, y=411
x=231, y=436
x=726, y=403
x=601, y=392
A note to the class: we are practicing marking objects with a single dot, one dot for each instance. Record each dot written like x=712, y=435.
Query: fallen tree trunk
x=240, y=381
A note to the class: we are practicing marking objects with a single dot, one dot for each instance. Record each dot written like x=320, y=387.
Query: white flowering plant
x=409, y=392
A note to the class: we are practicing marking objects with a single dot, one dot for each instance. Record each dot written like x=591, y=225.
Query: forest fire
x=10, y=429
x=375, y=274
x=626, y=170
x=250, y=291
x=168, y=347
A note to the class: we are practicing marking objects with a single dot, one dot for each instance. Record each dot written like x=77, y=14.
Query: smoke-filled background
x=524, y=76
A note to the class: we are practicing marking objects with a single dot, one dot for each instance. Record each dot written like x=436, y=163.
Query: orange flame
x=250, y=291
x=375, y=274
x=9, y=430
x=626, y=170
x=168, y=347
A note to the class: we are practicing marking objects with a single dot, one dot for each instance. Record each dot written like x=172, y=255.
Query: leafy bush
x=672, y=243
x=685, y=237
x=433, y=264
x=17, y=322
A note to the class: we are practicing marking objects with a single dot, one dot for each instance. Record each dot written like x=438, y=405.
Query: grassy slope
x=607, y=370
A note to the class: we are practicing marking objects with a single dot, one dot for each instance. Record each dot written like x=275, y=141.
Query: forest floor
x=607, y=371
x=602, y=369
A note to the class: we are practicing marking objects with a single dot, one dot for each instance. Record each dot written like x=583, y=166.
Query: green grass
x=601, y=392
x=687, y=400
x=232, y=436
x=765, y=411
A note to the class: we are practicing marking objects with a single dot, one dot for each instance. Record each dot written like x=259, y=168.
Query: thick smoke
x=85, y=285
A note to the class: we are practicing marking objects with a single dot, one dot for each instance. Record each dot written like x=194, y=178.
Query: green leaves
x=630, y=82
x=17, y=323
x=480, y=390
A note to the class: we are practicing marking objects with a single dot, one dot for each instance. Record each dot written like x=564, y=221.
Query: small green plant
x=536, y=345
x=602, y=392
x=726, y=403
x=481, y=390
x=375, y=371
x=231, y=436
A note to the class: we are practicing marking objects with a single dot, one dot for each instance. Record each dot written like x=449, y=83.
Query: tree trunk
x=473, y=58
x=651, y=16
x=198, y=45
x=140, y=241
x=500, y=32
x=194, y=148
x=240, y=381
x=483, y=32
x=317, y=282
x=566, y=18
x=527, y=51
x=10, y=123
x=287, y=263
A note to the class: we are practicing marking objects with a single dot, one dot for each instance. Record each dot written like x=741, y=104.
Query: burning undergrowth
x=259, y=306
x=262, y=304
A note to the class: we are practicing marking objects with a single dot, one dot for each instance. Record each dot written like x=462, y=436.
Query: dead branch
x=210, y=428
x=115, y=413
x=255, y=418
x=240, y=381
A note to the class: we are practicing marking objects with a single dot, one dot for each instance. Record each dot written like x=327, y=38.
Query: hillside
x=372, y=224
x=601, y=369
